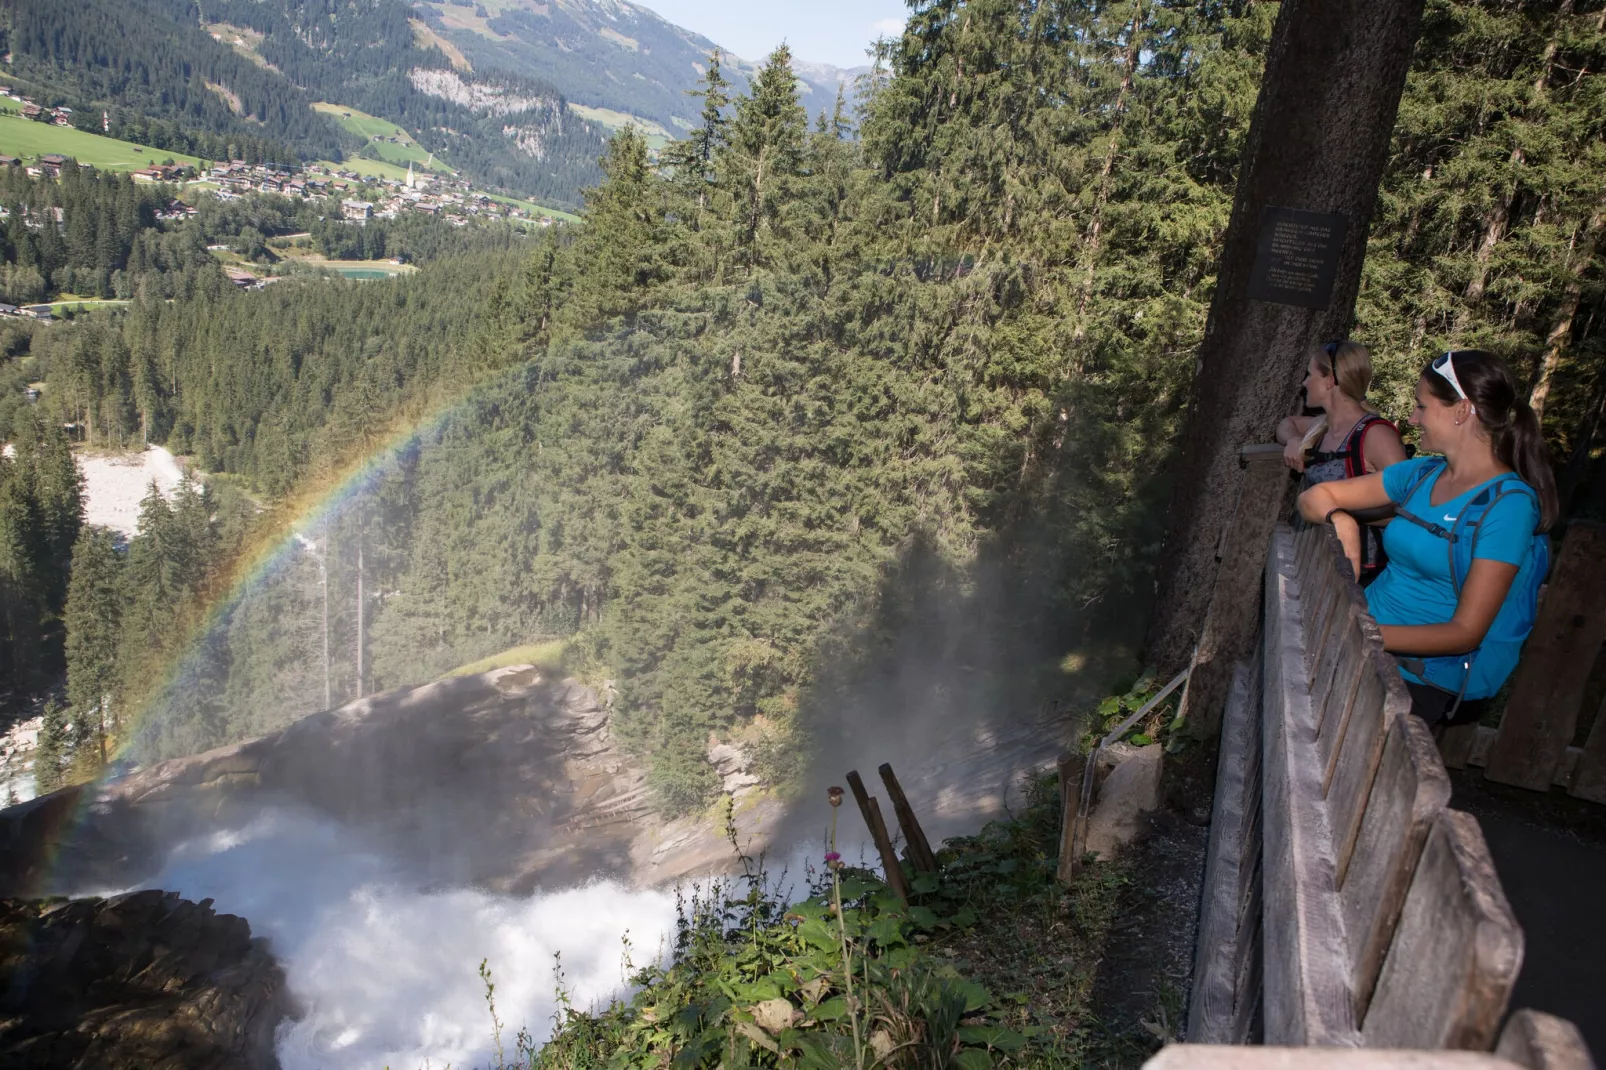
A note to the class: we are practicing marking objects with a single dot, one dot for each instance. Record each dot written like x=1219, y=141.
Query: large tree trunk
x=1317, y=142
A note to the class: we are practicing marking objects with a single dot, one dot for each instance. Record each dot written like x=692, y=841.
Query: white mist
x=387, y=972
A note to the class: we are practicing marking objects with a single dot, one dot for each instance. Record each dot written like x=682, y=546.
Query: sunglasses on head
x=1445, y=366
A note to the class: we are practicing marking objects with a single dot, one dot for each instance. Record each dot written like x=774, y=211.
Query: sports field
x=30, y=140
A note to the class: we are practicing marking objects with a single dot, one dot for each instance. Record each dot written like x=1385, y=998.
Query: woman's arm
x=1291, y=433
x=1351, y=495
x=1382, y=449
x=1481, y=597
x=1293, y=428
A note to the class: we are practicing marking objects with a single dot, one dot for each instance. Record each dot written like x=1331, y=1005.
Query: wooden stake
x=920, y=852
x=878, y=832
x=1070, y=770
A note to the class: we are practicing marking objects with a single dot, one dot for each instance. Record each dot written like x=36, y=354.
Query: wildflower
x=832, y=856
x=835, y=795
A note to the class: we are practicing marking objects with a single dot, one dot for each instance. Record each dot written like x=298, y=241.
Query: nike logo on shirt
x=1449, y=520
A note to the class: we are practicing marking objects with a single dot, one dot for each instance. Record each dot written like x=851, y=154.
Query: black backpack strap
x=1422, y=475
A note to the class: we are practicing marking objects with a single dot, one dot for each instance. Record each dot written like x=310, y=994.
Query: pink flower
x=832, y=856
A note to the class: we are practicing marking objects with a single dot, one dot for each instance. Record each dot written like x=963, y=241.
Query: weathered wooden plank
x=1233, y=619
x=1335, y=608
x=1541, y=1041
x=1213, y=997
x=1334, y=714
x=1589, y=778
x=890, y=866
x=1223, y=1057
x=920, y=853
x=1456, y=950
x=1329, y=658
x=1548, y=688
x=1071, y=767
x=1305, y=991
x=1409, y=791
x=1358, y=755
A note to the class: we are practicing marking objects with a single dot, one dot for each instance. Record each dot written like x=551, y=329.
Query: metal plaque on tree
x=1297, y=257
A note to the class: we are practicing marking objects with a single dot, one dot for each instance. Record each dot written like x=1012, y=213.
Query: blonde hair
x=1349, y=365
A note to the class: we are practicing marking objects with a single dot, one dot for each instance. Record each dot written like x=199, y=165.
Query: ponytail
x=1520, y=445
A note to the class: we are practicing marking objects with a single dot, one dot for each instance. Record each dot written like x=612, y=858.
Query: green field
x=536, y=209
x=89, y=304
x=30, y=140
x=657, y=137
x=368, y=126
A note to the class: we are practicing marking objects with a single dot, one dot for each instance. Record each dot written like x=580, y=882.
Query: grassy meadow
x=30, y=140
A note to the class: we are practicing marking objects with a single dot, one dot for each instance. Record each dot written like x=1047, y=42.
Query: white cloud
x=888, y=27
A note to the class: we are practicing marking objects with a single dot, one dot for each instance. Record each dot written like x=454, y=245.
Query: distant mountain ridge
x=608, y=55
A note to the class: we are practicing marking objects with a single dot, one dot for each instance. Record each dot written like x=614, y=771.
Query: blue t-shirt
x=1417, y=588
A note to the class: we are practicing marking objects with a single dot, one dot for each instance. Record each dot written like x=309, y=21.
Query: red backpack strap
x=1355, y=450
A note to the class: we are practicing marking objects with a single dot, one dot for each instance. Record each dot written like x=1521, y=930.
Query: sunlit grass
x=547, y=656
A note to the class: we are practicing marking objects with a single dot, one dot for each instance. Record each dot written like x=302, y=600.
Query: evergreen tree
x=52, y=752
x=94, y=629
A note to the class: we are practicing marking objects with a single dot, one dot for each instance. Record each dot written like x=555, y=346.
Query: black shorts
x=1434, y=705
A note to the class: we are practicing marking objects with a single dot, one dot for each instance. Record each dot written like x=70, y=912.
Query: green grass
x=30, y=140
x=536, y=209
x=657, y=137
x=547, y=656
x=86, y=304
x=368, y=127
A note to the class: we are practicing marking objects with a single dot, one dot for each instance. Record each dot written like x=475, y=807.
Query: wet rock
x=1131, y=788
x=144, y=980
x=733, y=766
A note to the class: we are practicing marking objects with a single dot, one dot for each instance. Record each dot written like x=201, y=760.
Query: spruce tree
x=94, y=628
x=54, y=749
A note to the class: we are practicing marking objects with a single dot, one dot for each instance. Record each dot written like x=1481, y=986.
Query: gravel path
x=114, y=485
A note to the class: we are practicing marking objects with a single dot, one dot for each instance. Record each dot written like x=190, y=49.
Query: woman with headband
x=1348, y=439
x=1466, y=549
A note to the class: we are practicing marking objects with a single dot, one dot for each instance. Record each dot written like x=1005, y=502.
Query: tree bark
x=1318, y=144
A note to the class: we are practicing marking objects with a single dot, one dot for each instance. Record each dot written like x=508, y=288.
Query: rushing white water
x=387, y=972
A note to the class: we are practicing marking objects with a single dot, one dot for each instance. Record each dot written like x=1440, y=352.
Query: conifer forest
x=804, y=395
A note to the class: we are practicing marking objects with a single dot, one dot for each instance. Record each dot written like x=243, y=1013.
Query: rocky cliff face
x=144, y=980
x=504, y=780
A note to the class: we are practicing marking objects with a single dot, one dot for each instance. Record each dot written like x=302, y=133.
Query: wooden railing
x=1345, y=903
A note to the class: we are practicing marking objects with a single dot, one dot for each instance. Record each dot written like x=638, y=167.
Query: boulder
x=1131, y=788
x=144, y=980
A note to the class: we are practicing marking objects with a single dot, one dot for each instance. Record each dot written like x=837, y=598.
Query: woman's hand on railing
x=1294, y=455
x=1348, y=530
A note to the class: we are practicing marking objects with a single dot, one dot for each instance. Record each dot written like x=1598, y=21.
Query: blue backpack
x=1517, y=614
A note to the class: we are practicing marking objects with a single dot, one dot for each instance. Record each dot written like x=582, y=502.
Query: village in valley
x=365, y=189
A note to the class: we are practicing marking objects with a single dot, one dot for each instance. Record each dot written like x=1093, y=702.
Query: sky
x=821, y=31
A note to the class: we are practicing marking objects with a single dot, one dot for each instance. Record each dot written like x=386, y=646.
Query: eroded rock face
x=145, y=980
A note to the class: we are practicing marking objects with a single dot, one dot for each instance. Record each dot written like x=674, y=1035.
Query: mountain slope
x=605, y=54
x=253, y=68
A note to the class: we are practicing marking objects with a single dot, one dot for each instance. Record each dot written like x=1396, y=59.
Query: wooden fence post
x=1233, y=618
x=1542, y=712
x=878, y=832
x=920, y=853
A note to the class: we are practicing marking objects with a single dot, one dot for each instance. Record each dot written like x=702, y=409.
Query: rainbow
x=31, y=848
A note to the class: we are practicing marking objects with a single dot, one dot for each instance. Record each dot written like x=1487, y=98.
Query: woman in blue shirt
x=1465, y=557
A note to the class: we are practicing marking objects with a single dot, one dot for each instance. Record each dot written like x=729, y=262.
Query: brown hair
x=1512, y=427
x=1349, y=365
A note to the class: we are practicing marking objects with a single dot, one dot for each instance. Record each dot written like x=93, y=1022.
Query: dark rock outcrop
x=145, y=980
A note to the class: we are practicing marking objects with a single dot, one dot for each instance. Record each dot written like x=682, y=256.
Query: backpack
x=1517, y=614
x=1351, y=450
